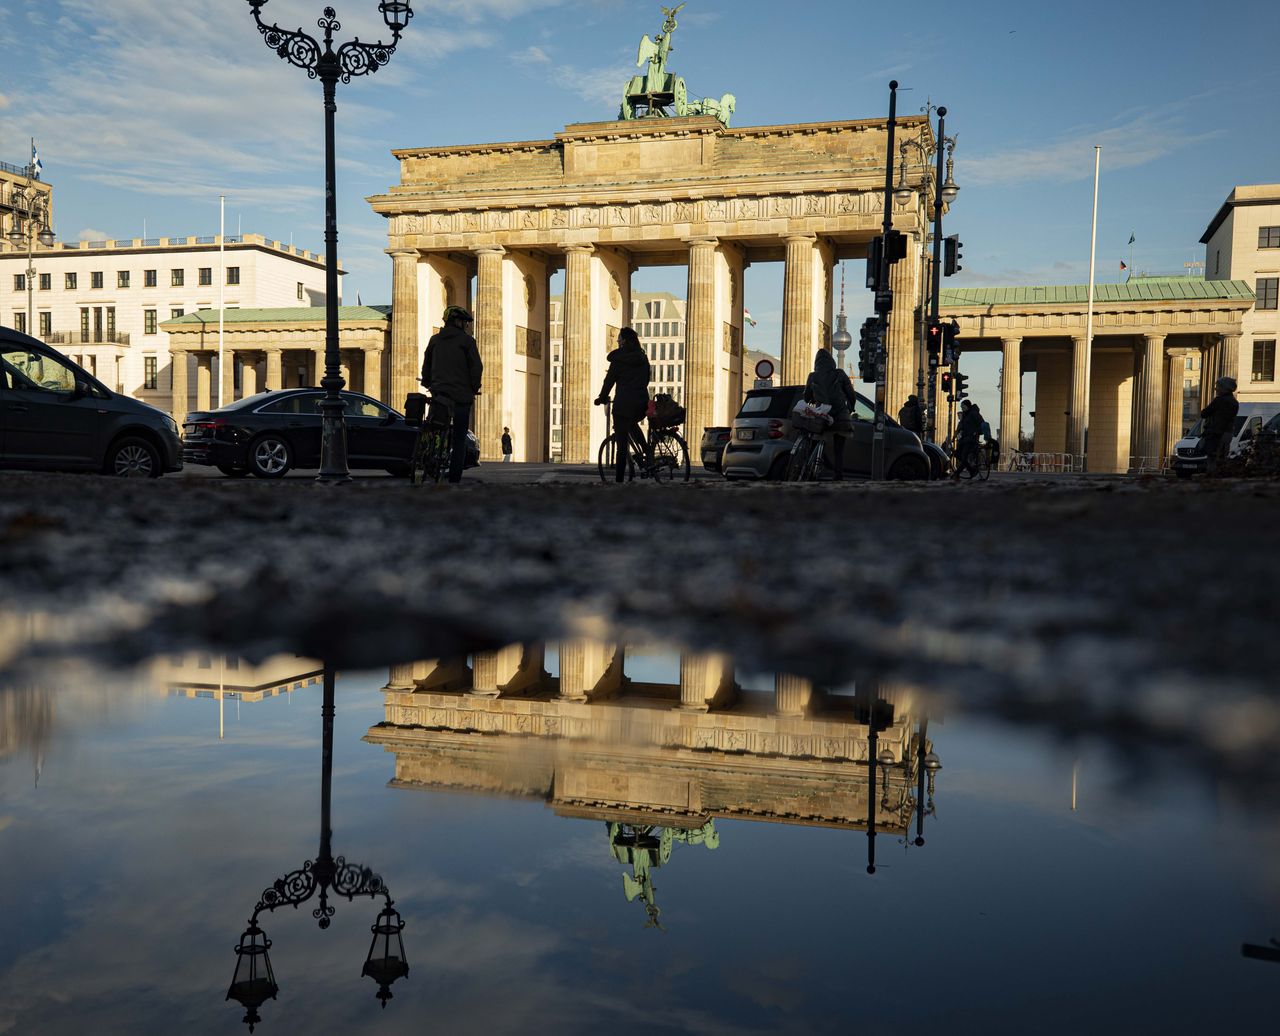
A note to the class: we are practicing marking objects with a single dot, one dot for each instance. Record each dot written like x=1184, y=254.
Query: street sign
x=764, y=370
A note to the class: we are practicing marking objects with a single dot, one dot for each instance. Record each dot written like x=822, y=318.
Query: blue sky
x=146, y=117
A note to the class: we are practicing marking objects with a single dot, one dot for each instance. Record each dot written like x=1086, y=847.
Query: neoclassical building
x=600, y=200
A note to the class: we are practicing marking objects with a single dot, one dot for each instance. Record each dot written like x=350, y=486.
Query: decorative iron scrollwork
x=351, y=59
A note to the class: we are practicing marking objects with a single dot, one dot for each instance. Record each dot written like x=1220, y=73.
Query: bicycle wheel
x=798, y=459
x=420, y=447
x=812, y=464
x=606, y=462
x=670, y=458
x=440, y=456
x=966, y=464
x=984, y=464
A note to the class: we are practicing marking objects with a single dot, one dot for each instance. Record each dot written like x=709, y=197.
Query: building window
x=20, y=322
x=148, y=321
x=19, y=282
x=177, y=278
x=1267, y=290
x=148, y=278
x=233, y=275
x=122, y=278
x=1264, y=359
x=46, y=324
x=150, y=375
x=1269, y=237
x=46, y=281
x=300, y=295
x=205, y=276
x=84, y=323
x=1190, y=363
x=95, y=279
x=71, y=282
x=176, y=312
x=1217, y=261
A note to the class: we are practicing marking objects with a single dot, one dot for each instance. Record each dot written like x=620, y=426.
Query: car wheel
x=910, y=469
x=270, y=457
x=132, y=457
x=232, y=471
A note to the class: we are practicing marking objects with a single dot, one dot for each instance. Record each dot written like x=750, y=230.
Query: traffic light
x=961, y=384
x=951, y=255
x=945, y=383
x=875, y=253
x=935, y=340
x=868, y=347
x=895, y=245
x=950, y=342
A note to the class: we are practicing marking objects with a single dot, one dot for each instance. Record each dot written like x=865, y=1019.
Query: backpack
x=667, y=413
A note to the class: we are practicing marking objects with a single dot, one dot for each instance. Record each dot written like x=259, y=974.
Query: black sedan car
x=269, y=434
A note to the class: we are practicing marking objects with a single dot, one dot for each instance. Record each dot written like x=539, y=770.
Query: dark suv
x=55, y=416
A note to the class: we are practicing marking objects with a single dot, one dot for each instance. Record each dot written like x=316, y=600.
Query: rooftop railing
x=184, y=242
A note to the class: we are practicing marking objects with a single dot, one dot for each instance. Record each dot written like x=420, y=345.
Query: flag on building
x=1123, y=266
x=35, y=161
x=1132, y=238
x=746, y=315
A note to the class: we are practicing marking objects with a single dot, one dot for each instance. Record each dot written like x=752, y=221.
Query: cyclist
x=829, y=384
x=629, y=373
x=451, y=371
x=971, y=423
x=1219, y=419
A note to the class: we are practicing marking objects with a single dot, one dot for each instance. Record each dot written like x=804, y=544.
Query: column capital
x=808, y=239
x=402, y=253
x=702, y=242
x=1179, y=351
x=1154, y=336
x=1010, y=340
x=584, y=247
x=490, y=250
x=1228, y=336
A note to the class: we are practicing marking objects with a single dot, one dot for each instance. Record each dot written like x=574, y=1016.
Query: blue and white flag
x=36, y=166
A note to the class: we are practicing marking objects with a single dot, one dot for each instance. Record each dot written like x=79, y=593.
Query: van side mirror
x=81, y=390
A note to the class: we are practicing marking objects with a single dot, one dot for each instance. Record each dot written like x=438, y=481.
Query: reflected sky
x=129, y=871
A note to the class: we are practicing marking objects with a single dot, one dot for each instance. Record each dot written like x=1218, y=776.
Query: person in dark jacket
x=829, y=384
x=506, y=446
x=1219, y=426
x=970, y=427
x=629, y=375
x=451, y=371
x=911, y=416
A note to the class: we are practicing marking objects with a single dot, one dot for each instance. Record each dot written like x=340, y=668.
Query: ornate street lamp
x=254, y=980
x=329, y=66
x=30, y=224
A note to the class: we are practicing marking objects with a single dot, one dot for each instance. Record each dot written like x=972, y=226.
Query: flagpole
x=1088, y=333
x=222, y=288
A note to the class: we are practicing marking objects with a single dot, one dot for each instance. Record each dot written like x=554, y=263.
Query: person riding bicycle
x=829, y=384
x=970, y=428
x=629, y=373
x=451, y=371
x=1219, y=419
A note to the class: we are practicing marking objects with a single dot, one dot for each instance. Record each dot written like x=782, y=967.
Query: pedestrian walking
x=506, y=446
x=1219, y=425
x=829, y=384
x=911, y=416
x=628, y=373
x=969, y=429
x=451, y=371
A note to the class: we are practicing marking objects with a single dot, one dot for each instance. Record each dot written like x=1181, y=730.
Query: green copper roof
x=294, y=315
x=1147, y=289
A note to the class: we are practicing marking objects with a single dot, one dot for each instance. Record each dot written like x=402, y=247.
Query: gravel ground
x=1145, y=608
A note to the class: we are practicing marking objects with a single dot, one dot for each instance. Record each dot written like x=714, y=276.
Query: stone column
x=275, y=363
x=508, y=671
x=227, y=378
x=1175, y=375
x=576, y=391
x=373, y=375
x=1010, y=398
x=318, y=375
x=797, y=311
x=1229, y=358
x=590, y=670
x=1208, y=371
x=1152, y=400
x=792, y=694
x=488, y=314
x=249, y=376
x=204, y=380
x=178, y=383
x=701, y=344
x=400, y=678
x=706, y=681
x=406, y=350
x=1078, y=421
x=900, y=368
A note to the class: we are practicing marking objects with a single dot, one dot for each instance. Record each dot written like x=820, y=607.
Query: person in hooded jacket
x=911, y=416
x=1219, y=426
x=451, y=370
x=829, y=384
x=629, y=375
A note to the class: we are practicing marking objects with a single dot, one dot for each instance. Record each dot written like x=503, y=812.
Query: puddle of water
x=577, y=836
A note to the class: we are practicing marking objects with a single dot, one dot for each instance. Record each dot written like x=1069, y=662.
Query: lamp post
x=944, y=193
x=31, y=224
x=329, y=66
x=253, y=982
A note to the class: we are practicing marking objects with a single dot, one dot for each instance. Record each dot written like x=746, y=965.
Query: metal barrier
x=1054, y=463
x=1148, y=465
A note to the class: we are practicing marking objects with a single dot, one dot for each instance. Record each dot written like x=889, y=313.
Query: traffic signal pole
x=936, y=285
x=884, y=294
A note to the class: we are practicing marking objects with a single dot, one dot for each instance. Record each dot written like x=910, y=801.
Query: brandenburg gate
x=603, y=199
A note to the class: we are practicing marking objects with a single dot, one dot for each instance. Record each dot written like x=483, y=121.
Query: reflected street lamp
x=329, y=66
x=253, y=982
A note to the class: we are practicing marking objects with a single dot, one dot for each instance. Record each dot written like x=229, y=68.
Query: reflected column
x=706, y=681
x=792, y=694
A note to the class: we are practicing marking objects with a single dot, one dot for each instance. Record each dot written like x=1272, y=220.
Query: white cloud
x=89, y=234
x=4, y=102
x=482, y=10
x=531, y=56
x=602, y=85
x=1140, y=140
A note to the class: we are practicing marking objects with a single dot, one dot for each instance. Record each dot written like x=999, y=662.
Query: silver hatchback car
x=761, y=439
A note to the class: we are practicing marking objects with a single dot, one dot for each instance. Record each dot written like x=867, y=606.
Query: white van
x=1188, y=456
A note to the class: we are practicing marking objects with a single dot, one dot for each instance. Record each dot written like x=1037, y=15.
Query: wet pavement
x=1066, y=687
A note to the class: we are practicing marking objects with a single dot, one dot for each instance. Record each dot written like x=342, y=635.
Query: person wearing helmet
x=1219, y=426
x=451, y=371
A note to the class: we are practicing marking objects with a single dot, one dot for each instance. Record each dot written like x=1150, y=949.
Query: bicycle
x=974, y=462
x=433, y=446
x=665, y=457
x=810, y=429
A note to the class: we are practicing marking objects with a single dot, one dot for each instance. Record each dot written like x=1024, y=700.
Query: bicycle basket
x=666, y=412
x=415, y=405
x=807, y=417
